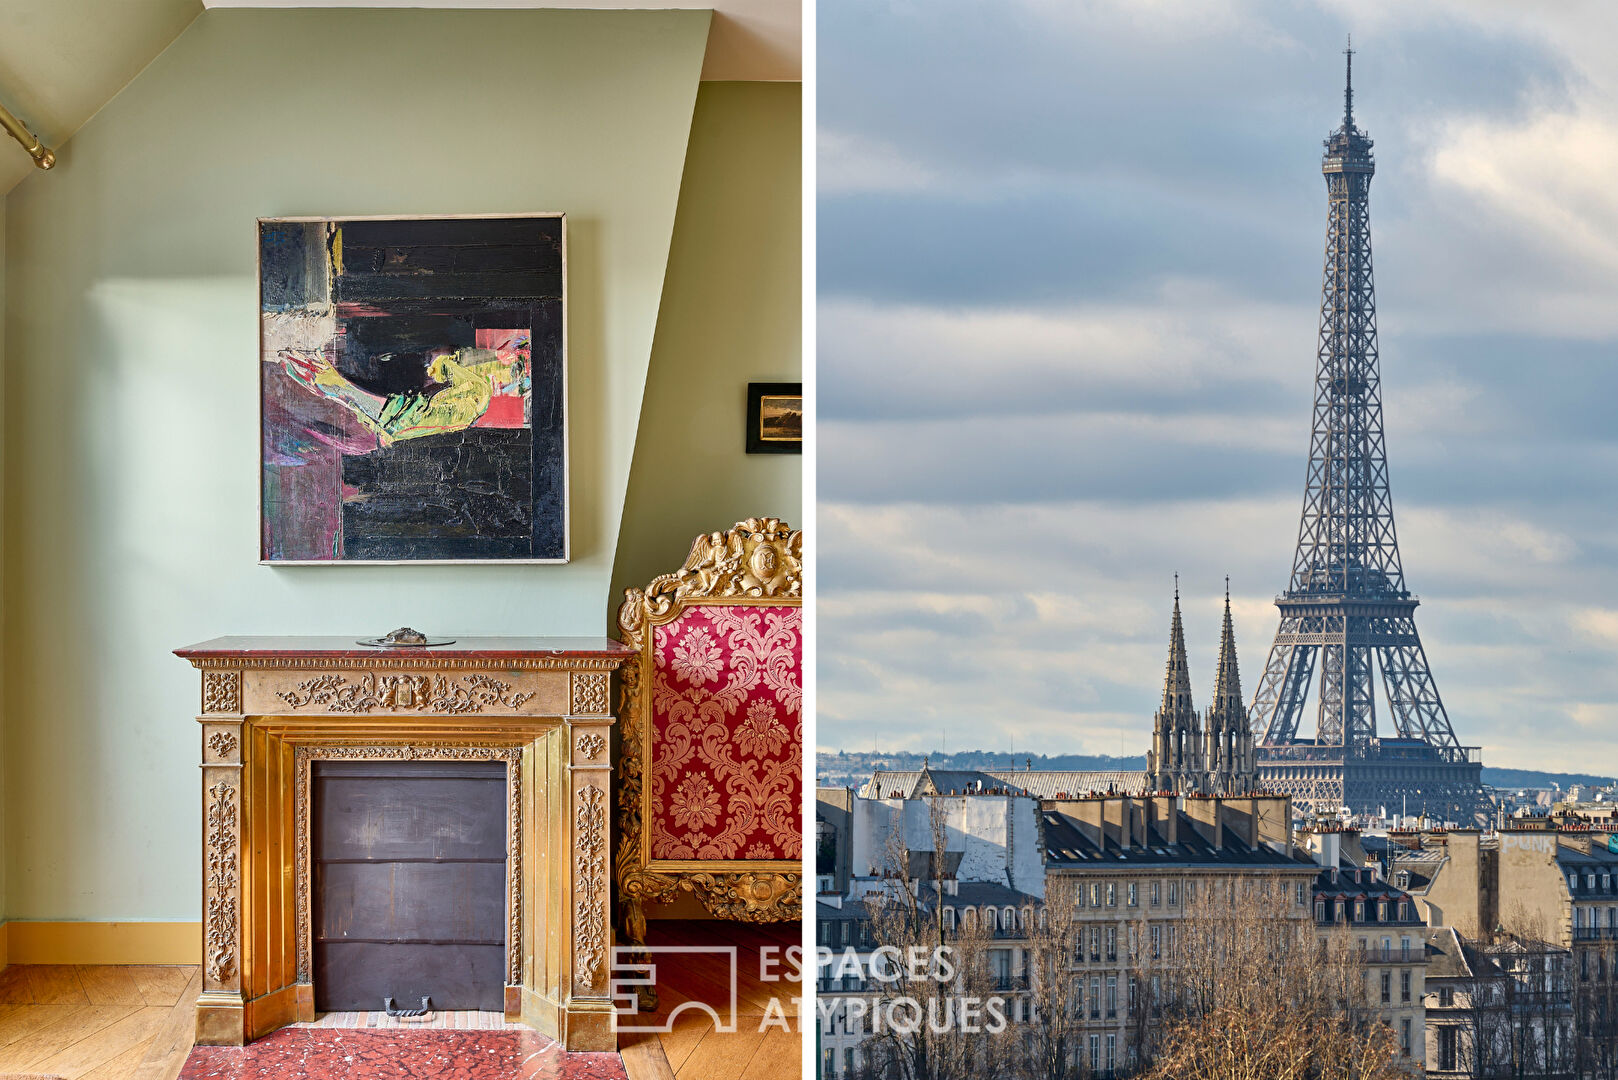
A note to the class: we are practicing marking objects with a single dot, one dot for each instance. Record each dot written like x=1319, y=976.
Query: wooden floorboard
x=161, y=985
x=166, y=1053
x=105, y=1044
x=694, y=1049
x=97, y=1022
x=107, y=985
x=56, y=984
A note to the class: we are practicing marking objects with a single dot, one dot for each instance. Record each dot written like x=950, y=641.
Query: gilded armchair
x=712, y=728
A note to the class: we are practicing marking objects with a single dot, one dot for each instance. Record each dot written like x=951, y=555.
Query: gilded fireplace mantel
x=271, y=706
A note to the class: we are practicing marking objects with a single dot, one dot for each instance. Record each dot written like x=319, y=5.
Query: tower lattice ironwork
x=1346, y=604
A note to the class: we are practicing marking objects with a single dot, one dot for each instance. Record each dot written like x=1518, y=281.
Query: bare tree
x=1256, y=997
x=1052, y=1043
x=925, y=1027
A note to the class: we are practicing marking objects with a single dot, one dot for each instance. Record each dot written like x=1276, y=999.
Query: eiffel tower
x=1346, y=603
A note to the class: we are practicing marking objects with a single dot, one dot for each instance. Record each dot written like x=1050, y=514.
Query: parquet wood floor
x=97, y=1023
x=694, y=1048
x=137, y=1023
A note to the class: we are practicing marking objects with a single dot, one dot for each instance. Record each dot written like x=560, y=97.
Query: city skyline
x=1106, y=366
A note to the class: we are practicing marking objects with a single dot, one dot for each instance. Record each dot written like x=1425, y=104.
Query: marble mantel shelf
x=247, y=648
x=271, y=705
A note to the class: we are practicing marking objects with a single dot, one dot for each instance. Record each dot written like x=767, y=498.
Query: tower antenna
x=1348, y=88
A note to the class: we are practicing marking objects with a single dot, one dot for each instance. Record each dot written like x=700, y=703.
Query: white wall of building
x=997, y=836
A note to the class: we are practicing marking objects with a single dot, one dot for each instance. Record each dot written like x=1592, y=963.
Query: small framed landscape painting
x=775, y=418
x=413, y=389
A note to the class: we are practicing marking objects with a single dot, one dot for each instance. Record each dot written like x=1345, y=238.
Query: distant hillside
x=841, y=766
x=1528, y=778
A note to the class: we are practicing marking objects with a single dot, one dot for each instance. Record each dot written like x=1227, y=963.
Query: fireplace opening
x=408, y=884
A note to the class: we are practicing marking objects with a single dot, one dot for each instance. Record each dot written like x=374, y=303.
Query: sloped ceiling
x=61, y=60
x=753, y=40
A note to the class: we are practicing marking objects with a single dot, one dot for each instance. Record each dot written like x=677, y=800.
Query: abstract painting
x=413, y=386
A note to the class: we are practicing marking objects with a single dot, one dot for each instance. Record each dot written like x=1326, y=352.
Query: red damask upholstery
x=725, y=774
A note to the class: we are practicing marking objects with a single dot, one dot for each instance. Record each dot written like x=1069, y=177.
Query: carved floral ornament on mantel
x=372, y=692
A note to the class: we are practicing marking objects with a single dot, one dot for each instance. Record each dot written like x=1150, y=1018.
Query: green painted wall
x=130, y=410
x=3, y=205
x=732, y=314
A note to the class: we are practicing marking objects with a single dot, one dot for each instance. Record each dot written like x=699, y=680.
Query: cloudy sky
x=1070, y=257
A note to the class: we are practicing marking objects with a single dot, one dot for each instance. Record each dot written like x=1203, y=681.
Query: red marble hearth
x=352, y=1054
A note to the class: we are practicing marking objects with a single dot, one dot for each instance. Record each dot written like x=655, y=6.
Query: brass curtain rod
x=30, y=142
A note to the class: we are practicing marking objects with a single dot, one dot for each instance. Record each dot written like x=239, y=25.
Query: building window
x=1095, y=1052
x=1341, y=908
x=1404, y=948
x=1320, y=911
x=1134, y=894
x=1112, y=894
x=1174, y=893
x=1095, y=894
x=1078, y=897
x=1157, y=942
x=1387, y=988
x=1112, y=1053
x=1302, y=895
x=830, y=1063
x=1359, y=911
x=1095, y=1011
x=1190, y=892
x=1381, y=911
x=1404, y=987
x=1446, y=997
x=949, y=918
x=1447, y=1055
x=1112, y=943
x=1404, y=911
x=848, y=1061
x=1157, y=893
x=1133, y=1004
x=1112, y=995
x=1404, y=1036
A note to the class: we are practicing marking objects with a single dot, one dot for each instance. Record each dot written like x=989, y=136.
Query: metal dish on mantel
x=405, y=638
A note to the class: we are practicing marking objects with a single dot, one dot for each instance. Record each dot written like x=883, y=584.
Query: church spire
x=1175, y=760
x=1227, y=693
x=1177, y=677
